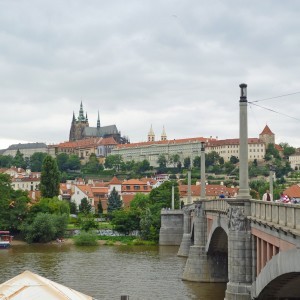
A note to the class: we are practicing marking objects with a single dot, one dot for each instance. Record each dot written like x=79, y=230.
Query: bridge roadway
x=252, y=245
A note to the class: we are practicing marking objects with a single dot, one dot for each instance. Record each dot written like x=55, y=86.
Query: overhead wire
x=275, y=97
x=272, y=110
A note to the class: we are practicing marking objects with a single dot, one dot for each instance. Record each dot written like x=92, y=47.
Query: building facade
x=190, y=147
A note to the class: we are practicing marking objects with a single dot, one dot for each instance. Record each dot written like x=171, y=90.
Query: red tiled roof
x=233, y=142
x=178, y=141
x=108, y=141
x=267, y=131
x=293, y=191
x=127, y=198
x=115, y=181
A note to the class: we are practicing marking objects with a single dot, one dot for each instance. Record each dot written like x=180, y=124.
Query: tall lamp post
x=244, y=191
x=202, y=196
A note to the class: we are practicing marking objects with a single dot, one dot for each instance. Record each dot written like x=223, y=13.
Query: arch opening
x=217, y=254
x=284, y=287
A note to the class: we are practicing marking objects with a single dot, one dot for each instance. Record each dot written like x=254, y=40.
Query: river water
x=107, y=272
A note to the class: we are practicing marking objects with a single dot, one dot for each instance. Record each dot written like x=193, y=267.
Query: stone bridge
x=253, y=245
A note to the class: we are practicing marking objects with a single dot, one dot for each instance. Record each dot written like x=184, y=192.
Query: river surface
x=107, y=272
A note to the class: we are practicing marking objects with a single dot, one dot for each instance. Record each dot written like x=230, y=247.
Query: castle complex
x=80, y=129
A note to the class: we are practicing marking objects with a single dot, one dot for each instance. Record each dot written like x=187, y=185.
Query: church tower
x=151, y=135
x=163, y=134
x=78, y=125
x=267, y=136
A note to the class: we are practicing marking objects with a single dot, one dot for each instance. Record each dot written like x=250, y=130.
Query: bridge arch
x=217, y=252
x=280, y=278
x=218, y=223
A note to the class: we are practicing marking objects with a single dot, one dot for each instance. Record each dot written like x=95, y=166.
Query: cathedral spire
x=86, y=117
x=98, y=121
x=73, y=120
x=81, y=115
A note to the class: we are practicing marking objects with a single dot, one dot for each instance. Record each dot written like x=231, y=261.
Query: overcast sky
x=172, y=63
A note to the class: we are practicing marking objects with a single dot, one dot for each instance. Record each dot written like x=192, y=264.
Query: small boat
x=5, y=239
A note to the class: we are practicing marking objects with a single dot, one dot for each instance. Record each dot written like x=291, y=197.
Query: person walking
x=267, y=196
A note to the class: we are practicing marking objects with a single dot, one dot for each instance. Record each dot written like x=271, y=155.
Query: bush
x=45, y=228
x=86, y=239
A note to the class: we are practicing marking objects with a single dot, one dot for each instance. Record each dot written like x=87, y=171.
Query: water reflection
x=106, y=272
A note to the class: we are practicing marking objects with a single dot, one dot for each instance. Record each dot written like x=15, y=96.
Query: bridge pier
x=186, y=241
x=239, y=250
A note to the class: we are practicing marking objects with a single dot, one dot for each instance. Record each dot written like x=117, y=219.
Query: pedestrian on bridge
x=267, y=196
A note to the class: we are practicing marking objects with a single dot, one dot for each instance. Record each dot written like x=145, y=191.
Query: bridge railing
x=280, y=214
x=219, y=205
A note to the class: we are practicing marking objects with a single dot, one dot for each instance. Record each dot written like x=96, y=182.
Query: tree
x=45, y=228
x=6, y=161
x=114, y=201
x=125, y=221
x=19, y=160
x=36, y=161
x=50, y=178
x=13, y=205
x=233, y=159
x=174, y=159
x=73, y=162
x=287, y=149
x=143, y=166
x=85, y=207
x=197, y=162
x=211, y=158
x=113, y=161
x=162, y=162
x=100, y=208
x=62, y=161
x=93, y=166
x=187, y=162
x=73, y=208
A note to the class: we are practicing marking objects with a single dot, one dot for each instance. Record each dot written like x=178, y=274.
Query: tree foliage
x=85, y=207
x=113, y=161
x=36, y=161
x=50, y=178
x=114, y=201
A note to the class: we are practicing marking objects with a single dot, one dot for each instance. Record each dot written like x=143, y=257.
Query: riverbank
x=69, y=241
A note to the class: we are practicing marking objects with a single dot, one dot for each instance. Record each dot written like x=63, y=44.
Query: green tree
x=73, y=208
x=114, y=201
x=73, y=162
x=13, y=205
x=174, y=159
x=62, y=161
x=6, y=161
x=113, y=161
x=50, y=178
x=100, y=208
x=233, y=159
x=287, y=149
x=143, y=166
x=125, y=221
x=85, y=207
x=36, y=161
x=187, y=162
x=197, y=162
x=45, y=228
x=19, y=160
x=212, y=158
x=92, y=166
x=162, y=162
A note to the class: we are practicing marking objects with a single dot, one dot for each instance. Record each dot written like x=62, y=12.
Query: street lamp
x=202, y=171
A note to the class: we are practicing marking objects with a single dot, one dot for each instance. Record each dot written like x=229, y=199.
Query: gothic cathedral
x=80, y=129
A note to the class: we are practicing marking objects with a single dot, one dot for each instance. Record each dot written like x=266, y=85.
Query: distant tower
x=267, y=136
x=77, y=126
x=151, y=135
x=98, y=121
x=163, y=134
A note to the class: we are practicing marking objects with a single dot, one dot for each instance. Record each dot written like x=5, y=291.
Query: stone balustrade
x=219, y=205
x=277, y=214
